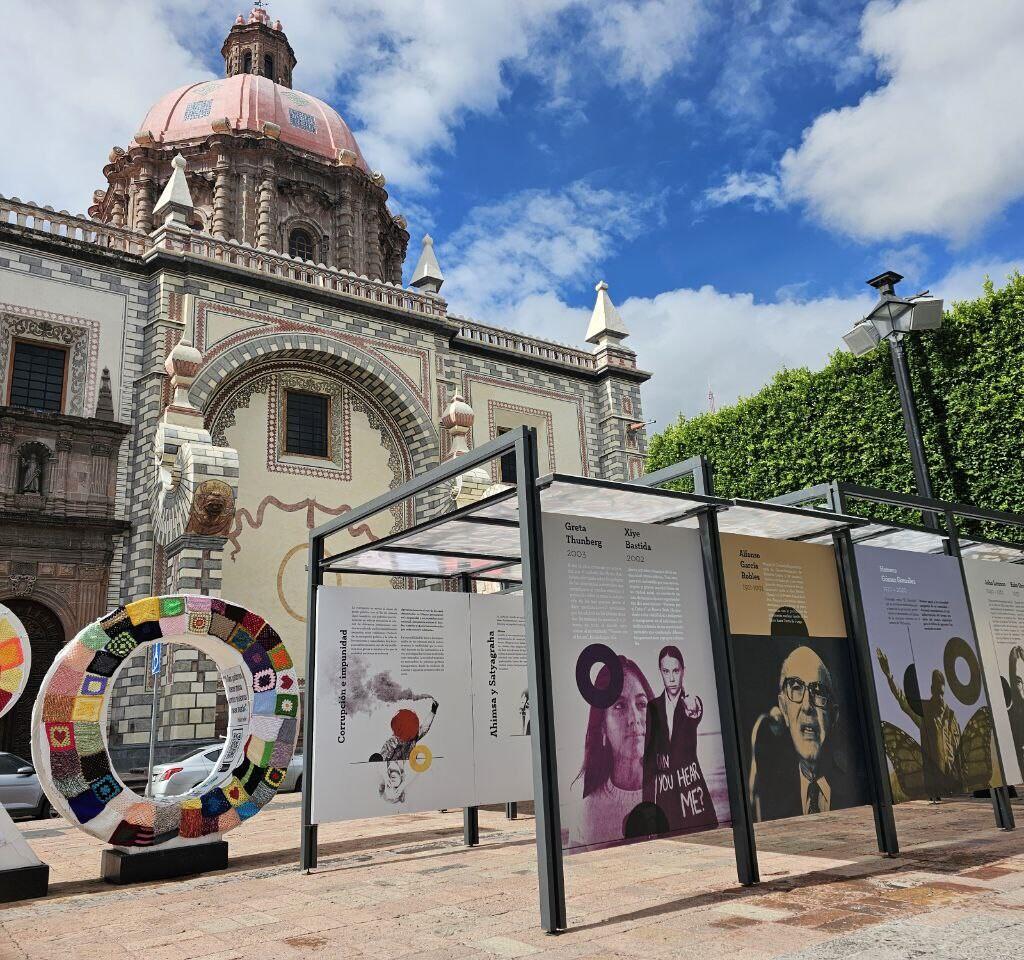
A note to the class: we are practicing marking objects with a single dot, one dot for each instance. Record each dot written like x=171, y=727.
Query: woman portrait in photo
x=608, y=790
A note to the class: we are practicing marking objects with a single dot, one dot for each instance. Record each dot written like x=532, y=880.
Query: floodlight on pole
x=890, y=320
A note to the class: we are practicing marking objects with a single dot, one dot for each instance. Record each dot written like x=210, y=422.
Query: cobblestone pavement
x=406, y=887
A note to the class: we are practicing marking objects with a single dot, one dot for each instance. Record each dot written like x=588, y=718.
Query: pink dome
x=248, y=101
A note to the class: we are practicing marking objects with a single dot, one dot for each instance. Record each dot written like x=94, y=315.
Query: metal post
x=911, y=424
x=1001, y=794
x=551, y=879
x=154, y=715
x=864, y=684
x=744, y=843
x=315, y=577
x=511, y=810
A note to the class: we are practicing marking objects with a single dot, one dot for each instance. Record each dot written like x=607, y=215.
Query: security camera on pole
x=891, y=319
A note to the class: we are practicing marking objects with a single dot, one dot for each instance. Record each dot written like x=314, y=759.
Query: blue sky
x=735, y=170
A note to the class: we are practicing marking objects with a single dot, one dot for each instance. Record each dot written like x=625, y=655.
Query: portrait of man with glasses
x=799, y=763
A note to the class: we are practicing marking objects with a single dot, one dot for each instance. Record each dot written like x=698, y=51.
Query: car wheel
x=298, y=783
x=44, y=810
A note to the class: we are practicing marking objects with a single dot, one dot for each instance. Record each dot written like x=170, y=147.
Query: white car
x=172, y=779
x=20, y=792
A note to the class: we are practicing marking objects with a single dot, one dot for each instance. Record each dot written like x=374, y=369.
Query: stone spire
x=255, y=45
x=606, y=326
x=105, y=400
x=175, y=204
x=427, y=275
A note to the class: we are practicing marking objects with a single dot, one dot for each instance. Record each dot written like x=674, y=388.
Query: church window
x=507, y=464
x=198, y=109
x=300, y=244
x=307, y=418
x=268, y=67
x=304, y=121
x=37, y=377
x=247, y=62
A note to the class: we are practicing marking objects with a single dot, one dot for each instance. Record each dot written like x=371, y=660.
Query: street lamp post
x=891, y=319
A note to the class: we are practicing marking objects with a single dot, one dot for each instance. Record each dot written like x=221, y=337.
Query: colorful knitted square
x=279, y=657
x=253, y=778
x=65, y=765
x=233, y=612
x=282, y=752
x=214, y=803
x=287, y=705
x=122, y=645
x=93, y=686
x=106, y=788
x=199, y=622
x=210, y=825
x=142, y=610
x=171, y=607
x=88, y=738
x=5, y=695
x=247, y=810
x=191, y=823
x=240, y=639
x=10, y=680
x=221, y=626
x=166, y=818
x=268, y=637
x=57, y=707
x=228, y=821
x=235, y=792
x=66, y=681
x=85, y=806
x=289, y=728
x=95, y=766
x=173, y=626
x=266, y=728
x=115, y=622
x=77, y=656
x=141, y=814
x=6, y=630
x=256, y=658
x=258, y=751
x=264, y=704
x=10, y=653
x=87, y=709
x=264, y=680
x=199, y=604
x=252, y=623
x=146, y=632
x=127, y=834
x=275, y=777
x=104, y=663
x=94, y=637
x=70, y=785
x=60, y=736
x=217, y=606
x=286, y=680
x=263, y=794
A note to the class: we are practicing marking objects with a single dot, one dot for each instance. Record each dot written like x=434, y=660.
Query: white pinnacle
x=605, y=323
x=428, y=272
x=176, y=200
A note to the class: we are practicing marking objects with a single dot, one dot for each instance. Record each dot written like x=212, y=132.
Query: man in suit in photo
x=673, y=779
x=794, y=768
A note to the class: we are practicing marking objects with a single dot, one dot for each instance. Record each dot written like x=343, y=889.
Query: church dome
x=247, y=102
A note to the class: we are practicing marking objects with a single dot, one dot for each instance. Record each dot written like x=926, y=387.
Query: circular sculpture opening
x=69, y=722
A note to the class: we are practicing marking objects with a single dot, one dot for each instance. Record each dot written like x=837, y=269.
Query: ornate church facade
x=221, y=356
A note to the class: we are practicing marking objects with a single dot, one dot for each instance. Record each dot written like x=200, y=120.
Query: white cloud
x=763, y=189
x=939, y=147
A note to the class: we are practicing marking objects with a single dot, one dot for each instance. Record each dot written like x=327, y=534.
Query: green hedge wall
x=844, y=422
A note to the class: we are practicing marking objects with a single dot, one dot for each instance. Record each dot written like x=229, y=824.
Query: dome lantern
x=257, y=47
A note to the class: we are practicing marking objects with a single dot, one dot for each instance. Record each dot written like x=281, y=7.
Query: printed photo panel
x=637, y=729
x=799, y=715
x=936, y=719
x=996, y=592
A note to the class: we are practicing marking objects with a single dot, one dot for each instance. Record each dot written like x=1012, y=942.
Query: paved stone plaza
x=406, y=887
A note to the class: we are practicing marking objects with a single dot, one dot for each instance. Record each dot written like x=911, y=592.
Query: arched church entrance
x=46, y=636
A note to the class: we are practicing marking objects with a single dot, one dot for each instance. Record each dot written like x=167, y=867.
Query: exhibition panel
x=800, y=722
x=933, y=704
x=996, y=592
x=628, y=616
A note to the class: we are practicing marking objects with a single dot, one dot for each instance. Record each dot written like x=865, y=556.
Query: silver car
x=20, y=792
x=180, y=776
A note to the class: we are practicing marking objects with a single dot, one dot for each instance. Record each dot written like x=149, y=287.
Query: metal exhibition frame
x=837, y=495
x=499, y=539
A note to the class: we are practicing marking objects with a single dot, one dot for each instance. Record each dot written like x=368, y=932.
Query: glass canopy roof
x=483, y=540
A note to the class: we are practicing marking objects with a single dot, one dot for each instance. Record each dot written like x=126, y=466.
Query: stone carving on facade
x=213, y=509
x=22, y=584
x=33, y=458
x=457, y=421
